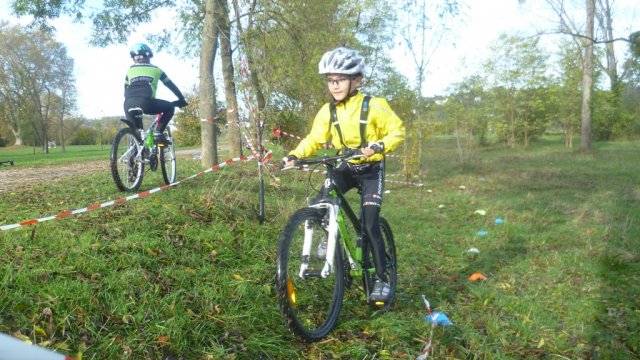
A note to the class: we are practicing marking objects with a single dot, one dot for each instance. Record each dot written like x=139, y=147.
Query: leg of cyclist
x=157, y=106
x=134, y=102
x=372, y=181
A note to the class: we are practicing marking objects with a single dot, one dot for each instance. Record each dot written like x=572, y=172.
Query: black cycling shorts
x=368, y=178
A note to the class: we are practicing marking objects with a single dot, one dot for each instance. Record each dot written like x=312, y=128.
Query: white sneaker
x=322, y=250
x=380, y=291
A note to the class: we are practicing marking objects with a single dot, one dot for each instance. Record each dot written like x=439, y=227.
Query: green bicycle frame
x=352, y=246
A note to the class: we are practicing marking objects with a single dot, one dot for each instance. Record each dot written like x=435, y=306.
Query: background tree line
x=268, y=52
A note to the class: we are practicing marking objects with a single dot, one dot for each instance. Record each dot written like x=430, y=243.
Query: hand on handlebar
x=290, y=161
x=372, y=148
x=180, y=103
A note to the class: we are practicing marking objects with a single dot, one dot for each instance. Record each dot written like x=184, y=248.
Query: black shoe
x=380, y=291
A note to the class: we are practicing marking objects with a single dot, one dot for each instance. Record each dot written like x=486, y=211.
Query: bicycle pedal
x=312, y=273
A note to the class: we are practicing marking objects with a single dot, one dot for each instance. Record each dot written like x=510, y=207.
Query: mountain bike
x=134, y=147
x=310, y=288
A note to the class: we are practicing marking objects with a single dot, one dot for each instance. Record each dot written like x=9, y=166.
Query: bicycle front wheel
x=309, y=303
x=127, y=171
x=391, y=270
x=168, y=159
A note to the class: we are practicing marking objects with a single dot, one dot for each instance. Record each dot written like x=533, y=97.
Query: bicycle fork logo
x=327, y=183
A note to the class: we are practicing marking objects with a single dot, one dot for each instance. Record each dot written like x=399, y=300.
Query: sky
x=100, y=72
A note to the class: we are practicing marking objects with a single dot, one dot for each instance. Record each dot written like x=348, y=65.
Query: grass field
x=29, y=156
x=187, y=273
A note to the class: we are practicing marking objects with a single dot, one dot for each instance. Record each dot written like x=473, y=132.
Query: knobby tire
x=310, y=306
x=127, y=176
x=168, y=160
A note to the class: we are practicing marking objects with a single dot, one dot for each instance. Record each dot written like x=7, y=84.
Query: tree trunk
x=61, y=119
x=224, y=34
x=587, y=81
x=207, y=98
x=253, y=75
x=16, y=135
x=606, y=26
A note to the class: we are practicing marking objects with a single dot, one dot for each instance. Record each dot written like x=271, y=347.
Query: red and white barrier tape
x=290, y=135
x=139, y=195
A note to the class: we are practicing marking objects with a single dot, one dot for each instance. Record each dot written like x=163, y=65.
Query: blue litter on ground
x=499, y=221
x=438, y=318
x=481, y=233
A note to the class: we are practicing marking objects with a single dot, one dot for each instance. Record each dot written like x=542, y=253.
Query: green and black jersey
x=142, y=81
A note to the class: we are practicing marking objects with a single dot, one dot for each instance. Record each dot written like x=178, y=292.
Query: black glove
x=180, y=103
x=288, y=158
x=377, y=147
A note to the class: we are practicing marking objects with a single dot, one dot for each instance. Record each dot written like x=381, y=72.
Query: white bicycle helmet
x=341, y=61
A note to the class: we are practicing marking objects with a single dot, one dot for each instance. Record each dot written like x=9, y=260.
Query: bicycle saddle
x=136, y=114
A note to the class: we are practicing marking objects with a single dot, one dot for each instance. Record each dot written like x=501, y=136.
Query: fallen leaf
x=45, y=343
x=163, y=340
x=21, y=337
x=477, y=276
x=40, y=331
x=47, y=312
x=61, y=346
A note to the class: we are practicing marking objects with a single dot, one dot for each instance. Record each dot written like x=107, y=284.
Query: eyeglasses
x=336, y=82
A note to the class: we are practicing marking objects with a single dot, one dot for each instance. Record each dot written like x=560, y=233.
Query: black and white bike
x=134, y=147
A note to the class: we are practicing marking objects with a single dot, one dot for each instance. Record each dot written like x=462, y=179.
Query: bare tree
x=224, y=34
x=587, y=80
x=36, y=72
x=207, y=103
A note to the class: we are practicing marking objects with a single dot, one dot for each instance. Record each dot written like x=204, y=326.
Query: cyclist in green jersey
x=140, y=88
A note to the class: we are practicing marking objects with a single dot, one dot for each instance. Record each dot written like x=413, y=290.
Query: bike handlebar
x=327, y=160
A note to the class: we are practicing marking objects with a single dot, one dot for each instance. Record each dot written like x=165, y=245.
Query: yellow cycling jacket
x=383, y=125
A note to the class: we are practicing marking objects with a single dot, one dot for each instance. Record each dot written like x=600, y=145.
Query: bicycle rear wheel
x=127, y=172
x=168, y=159
x=309, y=303
x=391, y=270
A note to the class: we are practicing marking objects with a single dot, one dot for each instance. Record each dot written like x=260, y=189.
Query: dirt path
x=12, y=178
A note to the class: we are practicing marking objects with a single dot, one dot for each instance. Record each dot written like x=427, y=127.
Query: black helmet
x=140, y=50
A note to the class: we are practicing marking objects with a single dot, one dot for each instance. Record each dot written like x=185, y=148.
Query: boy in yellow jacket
x=354, y=121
